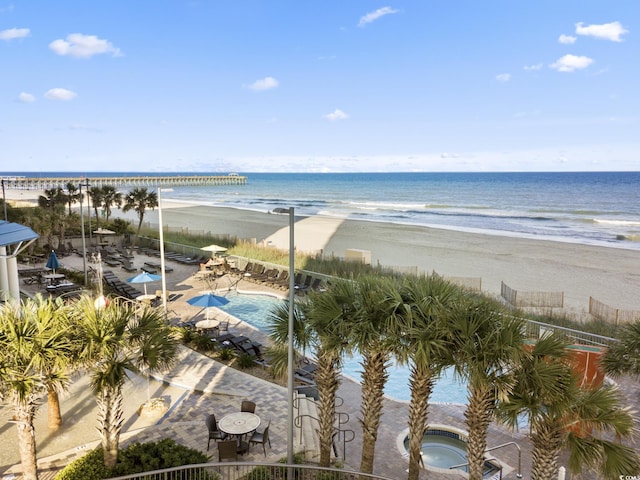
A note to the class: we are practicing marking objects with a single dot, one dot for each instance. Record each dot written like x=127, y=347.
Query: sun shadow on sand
x=311, y=234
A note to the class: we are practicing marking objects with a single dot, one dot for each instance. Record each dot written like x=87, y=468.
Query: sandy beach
x=610, y=275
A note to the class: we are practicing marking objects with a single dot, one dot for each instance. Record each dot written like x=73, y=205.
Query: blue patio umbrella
x=207, y=300
x=144, y=278
x=52, y=261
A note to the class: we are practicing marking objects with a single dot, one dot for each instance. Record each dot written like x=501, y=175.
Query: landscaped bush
x=136, y=458
x=259, y=473
x=225, y=354
x=89, y=467
x=245, y=361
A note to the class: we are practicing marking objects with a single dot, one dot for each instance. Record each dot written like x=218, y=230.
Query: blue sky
x=357, y=85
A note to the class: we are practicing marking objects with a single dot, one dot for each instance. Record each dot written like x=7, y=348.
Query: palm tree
x=95, y=194
x=139, y=200
x=110, y=197
x=563, y=414
x=53, y=205
x=34, y=346
x=316, y=326
x=624, y=357
x=368, y=332
x=486, y=347
x=73, y=195
x=419, y=309
x=116, y=340
x=328, y=317
x=278, y=320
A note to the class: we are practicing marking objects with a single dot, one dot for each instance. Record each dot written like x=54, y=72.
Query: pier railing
x=44, y=183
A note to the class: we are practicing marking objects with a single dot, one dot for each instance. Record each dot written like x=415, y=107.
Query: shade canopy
x=214, y=248
x=52, y=261
x=104, y=231
x=207, y=300
x=145, y=278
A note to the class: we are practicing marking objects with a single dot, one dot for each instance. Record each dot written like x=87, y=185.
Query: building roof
x=12, y=233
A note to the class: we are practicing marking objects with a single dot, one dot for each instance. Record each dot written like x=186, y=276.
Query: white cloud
x=337, y=114
x=373, y=16
x=60, y=94
x=503, y=77
x=26, y=97
x=531, y=68
x=13, y=33
x=83, y=46
x=266, y=83
x=607, y=31
x=570, y=63
x=566, y=39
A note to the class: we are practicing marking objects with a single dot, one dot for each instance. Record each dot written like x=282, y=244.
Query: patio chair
x=261, y=437
x=214, y=432
x=228, y=450
x=223, y=327
x=248, y=406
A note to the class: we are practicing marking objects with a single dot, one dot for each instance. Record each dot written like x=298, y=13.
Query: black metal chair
x=261, y=437
x=214, y=432
x=248, y=406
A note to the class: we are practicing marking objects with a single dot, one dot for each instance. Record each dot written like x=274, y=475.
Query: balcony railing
x=251, y=471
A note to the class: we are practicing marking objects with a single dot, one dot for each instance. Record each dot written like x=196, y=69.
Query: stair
x=307, y=427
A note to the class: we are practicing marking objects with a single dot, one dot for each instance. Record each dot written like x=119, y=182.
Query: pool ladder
x=518, y=473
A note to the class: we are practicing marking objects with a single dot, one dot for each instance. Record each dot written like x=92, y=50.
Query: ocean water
x=599, y=208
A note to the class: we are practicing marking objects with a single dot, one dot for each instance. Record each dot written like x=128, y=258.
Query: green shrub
x=145, y=457
x=245, y=361
x=203, y=343
x=259, y=473
x=137, y=458
x=89, y=467
x=225, y=354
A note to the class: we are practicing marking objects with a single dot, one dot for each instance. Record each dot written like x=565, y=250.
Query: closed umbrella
x=52, y=261
x=207, y=300
x=144, y=278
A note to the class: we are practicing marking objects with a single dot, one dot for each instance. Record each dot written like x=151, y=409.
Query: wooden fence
x=531, y=299
x=609, y=314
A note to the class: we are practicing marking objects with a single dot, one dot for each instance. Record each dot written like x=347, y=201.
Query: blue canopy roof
x=12, y=233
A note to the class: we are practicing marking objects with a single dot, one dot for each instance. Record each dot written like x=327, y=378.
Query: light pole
x=4, y=202
x=292, y=257
x=162, y=273
x=84, y=243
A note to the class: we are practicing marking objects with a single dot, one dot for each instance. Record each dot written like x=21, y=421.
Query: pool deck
x=197, y=386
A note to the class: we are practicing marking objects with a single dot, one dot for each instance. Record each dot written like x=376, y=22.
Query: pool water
x=254, y=309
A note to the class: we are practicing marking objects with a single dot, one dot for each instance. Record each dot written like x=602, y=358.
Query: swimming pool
x=254, y=309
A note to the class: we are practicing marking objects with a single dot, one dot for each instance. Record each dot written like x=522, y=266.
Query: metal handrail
x=236, y=470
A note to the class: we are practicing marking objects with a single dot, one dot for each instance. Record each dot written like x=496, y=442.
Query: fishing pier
x=44, y=183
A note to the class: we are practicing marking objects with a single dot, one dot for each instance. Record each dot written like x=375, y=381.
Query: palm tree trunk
x=374, y=378
x=327, y=381
x=478, y=418
x=110, y=419
x=27, y=442
x=547, y=442
x=54, y=418
x=421, y=384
